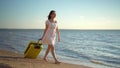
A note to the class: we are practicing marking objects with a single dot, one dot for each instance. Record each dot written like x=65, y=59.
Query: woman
x=49, y=36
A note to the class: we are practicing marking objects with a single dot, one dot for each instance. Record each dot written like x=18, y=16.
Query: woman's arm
x=46, y=27
x=58, y=33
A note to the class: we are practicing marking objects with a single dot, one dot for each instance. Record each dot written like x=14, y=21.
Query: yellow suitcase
x=33, y=50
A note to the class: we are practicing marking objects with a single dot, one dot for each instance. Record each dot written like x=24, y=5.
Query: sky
x=70, y=14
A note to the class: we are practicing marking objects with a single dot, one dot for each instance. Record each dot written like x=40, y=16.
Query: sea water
x=94, y=48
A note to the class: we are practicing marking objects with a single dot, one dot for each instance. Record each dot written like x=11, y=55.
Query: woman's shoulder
x=47, y=21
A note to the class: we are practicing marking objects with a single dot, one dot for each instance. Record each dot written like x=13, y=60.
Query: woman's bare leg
x=53, y=54
x=46, y=53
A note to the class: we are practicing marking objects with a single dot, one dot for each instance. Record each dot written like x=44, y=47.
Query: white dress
x=50, y=35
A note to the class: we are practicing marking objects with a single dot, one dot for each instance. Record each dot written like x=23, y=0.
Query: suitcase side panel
x=31, y=52
x=27, y=48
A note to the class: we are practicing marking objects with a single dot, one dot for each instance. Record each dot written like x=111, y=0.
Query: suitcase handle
x=38, y=46
x=39, y=40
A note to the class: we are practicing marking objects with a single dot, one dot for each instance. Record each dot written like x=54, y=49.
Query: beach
x=15, y=60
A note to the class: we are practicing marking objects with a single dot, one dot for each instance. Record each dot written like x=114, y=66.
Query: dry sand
x=15, y=60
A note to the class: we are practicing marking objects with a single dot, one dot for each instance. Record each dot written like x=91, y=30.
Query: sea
x=93, y=48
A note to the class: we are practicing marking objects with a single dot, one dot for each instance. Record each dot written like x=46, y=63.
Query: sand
x=15, y=60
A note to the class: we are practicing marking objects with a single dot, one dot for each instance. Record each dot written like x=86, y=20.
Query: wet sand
x=15, y=60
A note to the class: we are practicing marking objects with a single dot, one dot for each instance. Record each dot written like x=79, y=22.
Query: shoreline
x=15, y=60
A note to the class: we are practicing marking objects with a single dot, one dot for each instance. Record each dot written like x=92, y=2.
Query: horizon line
x=59, y=29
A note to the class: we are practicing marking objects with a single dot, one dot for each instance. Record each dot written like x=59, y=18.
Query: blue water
x=94, y=48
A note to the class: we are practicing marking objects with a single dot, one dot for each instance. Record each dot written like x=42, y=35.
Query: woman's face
x=53, y=15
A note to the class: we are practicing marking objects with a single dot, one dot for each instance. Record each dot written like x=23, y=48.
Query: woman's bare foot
x=45, y=59
x=57, y=62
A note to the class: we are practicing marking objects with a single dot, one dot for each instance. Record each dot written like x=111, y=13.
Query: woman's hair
x=49, y=17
